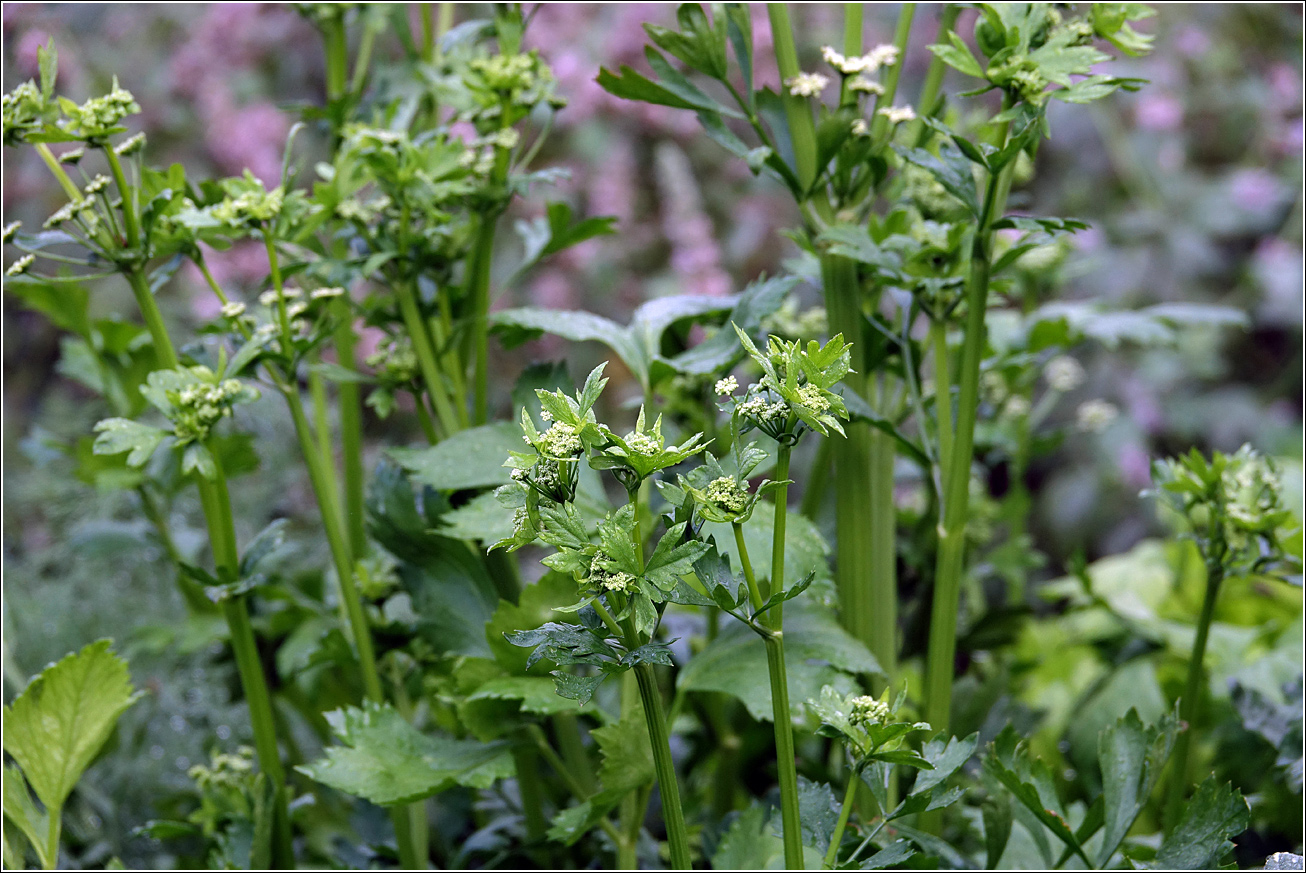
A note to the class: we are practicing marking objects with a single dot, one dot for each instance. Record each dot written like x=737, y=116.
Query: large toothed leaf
x=118, y=435
x=470, y=459
x=817, y=651
x=1132, y=756
x=386, y=760
x=55, y=728
x=1214, y=815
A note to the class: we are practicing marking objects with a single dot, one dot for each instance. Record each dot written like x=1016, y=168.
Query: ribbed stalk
x=222, y=539
x=672, y=814
x=784, y=751
x=426, y=357
x=1190, y=705
x=349, y=402
x=956, y=497
x=798, y=111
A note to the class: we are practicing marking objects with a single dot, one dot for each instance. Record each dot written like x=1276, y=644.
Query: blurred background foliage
x=1192, y=187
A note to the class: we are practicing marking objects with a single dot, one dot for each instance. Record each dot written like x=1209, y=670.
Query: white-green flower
x=898, y=114
x=1095, y=416
x=807, y=84
x=727, y=386
x=21, y=266
x=1064, y=374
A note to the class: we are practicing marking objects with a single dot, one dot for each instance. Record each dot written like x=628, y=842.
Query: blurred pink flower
x=25, y=58
x=1135, y=465
x=1255, y=189
x=1192, y=41
x=1158, y=111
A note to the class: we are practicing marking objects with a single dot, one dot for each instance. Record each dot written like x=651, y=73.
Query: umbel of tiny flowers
x=794, y=393
x=1233, y=507
x=639, y=454
x=869, y=725
x=721, y=496
x=194, y=400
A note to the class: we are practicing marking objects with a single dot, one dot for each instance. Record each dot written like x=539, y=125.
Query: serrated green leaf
x=945, y=758
x=818, y=653
x=894, y=853
x=483, y=519
x=1132, y=757
x=472, y=458
x=958, y=56
x=387, y=761
x=1212, y=816
x=118, y=435
x=55, y=728
x=996, y=812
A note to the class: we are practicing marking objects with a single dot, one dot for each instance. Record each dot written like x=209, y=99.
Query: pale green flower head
x=642, y=452
x=795, y=389
x=1233, y=507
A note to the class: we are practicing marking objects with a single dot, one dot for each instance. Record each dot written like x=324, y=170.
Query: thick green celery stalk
x=950, y=562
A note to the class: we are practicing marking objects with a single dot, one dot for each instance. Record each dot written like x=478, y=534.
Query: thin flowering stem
x=1190, y=704
x=775, y=662
x=128, y=194
x=754, y=593
x=900, y=37
x=845, y=811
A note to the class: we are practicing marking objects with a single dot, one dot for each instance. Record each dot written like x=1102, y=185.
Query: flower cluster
x=880, y=56
x=198, y=407
x=248, y=202
x=795, y=389
x=1233, y=504
x=867, y=710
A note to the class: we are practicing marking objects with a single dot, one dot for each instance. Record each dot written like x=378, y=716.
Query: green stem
x=571, y=776
x=775, y=664
x=798, y=111
x=1190, y=705
x=677, y=835
x=849, y=795
x=348, y=397
x=883, y=553
x=952, y=532
x=222, y=537
x=942, y=395
x=69, y=187
x=631, y=811
x=784, y=750
x=532, y=792
x=126, y=193
x=925, y=106
x=426, y=357
x=340, y=554
x=775, y=618
x=482, y=260
x=900, y=36
x=317, y=394
x=567, y=730
x=149, y=308
x=50, y=857
x=865, y=562
x=337, y=58
x=754, y=593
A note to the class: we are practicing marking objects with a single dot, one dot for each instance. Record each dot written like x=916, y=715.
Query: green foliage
x=1213, y=815
x=386, y=760
x=53, y=731
x=819, y=653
